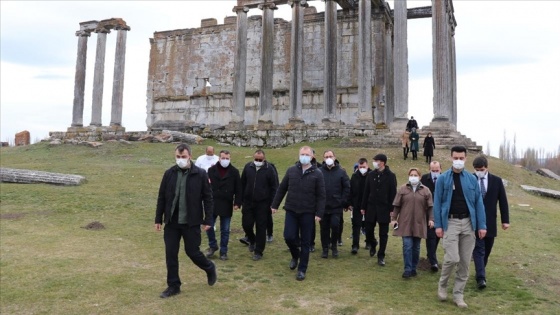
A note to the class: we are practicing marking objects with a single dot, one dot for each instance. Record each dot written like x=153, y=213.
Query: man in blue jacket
x=305, y=203
x=458, y=213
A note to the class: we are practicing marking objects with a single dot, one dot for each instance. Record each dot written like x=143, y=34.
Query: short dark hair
x=480, y=161
x=182, y=147
x=362, y=161
x=459, y=149
x=226, y=152
x=259, y=151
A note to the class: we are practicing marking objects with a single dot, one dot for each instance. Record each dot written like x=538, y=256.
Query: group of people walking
x=456, y=206
x=410, y=142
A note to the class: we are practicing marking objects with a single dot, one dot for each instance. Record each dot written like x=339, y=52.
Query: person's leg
x=407, y=255
x=340, y=229
x=405, y=153
x=307, y=221
x=291, y=233
x=356, y=227
x=450, y=243
x=269, y=225
x=225, y=223
x=335, y=232
x=192, y=239
x=383, y=239
x=172, y=239
x=467, y=242
x=248, y=222
x=370, y=238
x=324, y=225
x=478, y=257
x=488, y=244
x=261, y=215
x=431, y=247
x=415, y=254
x=211, y=233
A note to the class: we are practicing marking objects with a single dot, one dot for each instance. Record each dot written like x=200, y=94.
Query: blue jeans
x=224, y=234
x=411, y=252
x=296, y=225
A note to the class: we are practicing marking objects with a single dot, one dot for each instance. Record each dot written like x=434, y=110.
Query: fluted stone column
x=98, y=77
x=118, y=77
x=390, y=78
x=80, y=79
x=365, y=79
x=401, y=61
x=453, y=62
x=379, y=68
x=296, y=61
x=240, y=65
x=267, y=62
x=330, y=87
x=443, y=103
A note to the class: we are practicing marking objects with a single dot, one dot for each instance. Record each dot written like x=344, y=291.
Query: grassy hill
x=50, y=264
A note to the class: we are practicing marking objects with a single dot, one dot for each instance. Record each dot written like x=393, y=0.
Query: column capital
x=302, y=3
x=82, y=33
x=238, y=8
x=268, y=5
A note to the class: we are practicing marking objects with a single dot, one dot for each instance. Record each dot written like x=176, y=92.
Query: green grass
x=49, y=264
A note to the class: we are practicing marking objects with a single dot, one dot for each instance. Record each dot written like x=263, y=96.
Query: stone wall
x=22, y=138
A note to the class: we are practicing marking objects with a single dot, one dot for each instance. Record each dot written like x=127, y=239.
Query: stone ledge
x=542, y=191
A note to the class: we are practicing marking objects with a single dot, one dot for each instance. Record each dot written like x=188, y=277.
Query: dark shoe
x=335, y=253
x=406, y=274
x=300, y=276
x=212, y=275
x=244, y=240
x=311, y=248
x=354, y=250
x=170, y=291
x=381, y=262
x=372, y=252
x=339, y=243
x=210, y=251
x=269, y=239
x=223, y=256
x=481, y=284
x=293, y=264
x=251, y=247
x=325, y=253
x=368, y=246
x=257, y=257
x=413, y=273
x=435, y=268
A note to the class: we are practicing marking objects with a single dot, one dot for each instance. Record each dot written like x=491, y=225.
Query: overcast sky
x=508, y=69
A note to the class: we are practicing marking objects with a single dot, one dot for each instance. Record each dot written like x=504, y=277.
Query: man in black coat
x=337, y=187
x=357, y=186
x=226, y=190
x=432, y=241
x=184, y=204
x=259, y=181
x=493, y=192
x=305, y=203
x=377, y=204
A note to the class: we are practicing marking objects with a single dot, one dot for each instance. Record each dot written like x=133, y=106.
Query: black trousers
x=256, y=214
x=432, y=242
x=383, y=237
x=357, y=224
x=297, y=234
x=330, y=230
x=269, y=224
x=172, y=234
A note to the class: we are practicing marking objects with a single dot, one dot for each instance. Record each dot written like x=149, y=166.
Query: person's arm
x=345, y=190
x=438, y=193
x=365, y=196
x=238, y=190
x=396, y=207
x=160, y=207
x=207, y=200
x=504, y=207
x=480, y=211
x=320, y=195
x=281, y=192
x=273, y=182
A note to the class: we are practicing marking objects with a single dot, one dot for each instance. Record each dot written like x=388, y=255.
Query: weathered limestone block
x=11, y=175
x=22, y=138
x=547, y=173
x=164, y=137
x=91, y=144
x=542, y=191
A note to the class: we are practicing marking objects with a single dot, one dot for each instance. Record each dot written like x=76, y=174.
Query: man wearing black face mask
x=337, y=186
x=259, y=181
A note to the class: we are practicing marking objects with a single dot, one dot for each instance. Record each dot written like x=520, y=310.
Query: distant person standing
x=184, y=204
x=429, y=180
x=304, y=204
x=429, y=146
x=458, y=214
x=357, y=186
x=260, y=182
x=337, y=187
x=411, y=124
x=493, y=192
x=377, y=204
x=412, y=205
x=405, y=143
x=227, y=191
x=206, y=160
x=414, y=143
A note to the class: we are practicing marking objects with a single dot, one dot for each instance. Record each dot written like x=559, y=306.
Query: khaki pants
x=458, y=244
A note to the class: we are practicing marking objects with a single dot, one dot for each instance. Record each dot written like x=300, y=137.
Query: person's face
x=413, y=173
x=258, y=157
x=224, y=156
x=435, y=168
x=182, y=155
x=329, y=154
x=459, y=156
x=209, y=151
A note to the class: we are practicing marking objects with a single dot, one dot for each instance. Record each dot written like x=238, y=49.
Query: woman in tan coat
x=412, y=206
x=405, y=141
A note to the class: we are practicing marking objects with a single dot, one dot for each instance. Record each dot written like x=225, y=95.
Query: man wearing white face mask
x=226, y=190
x=357, y=185
x=429, y=180
x=337, y=187
x=205, y=161
x=458, y=214
x=184, y=204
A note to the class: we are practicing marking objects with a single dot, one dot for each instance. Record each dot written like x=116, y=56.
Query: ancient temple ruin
x=263, y=81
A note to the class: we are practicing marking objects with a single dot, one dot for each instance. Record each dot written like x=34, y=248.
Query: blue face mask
x=304, y=159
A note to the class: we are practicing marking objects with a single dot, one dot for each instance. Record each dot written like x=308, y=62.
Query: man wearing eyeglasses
x=259, y=182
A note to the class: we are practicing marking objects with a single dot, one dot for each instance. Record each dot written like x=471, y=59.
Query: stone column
x=453, y=78
x=401, y=61
x=98, y=77
x=330, y=87
x=267, y=62
x=380, y=62
x=441, y=55
x=296, y=61
x=365, y=79
x=240, y=65
x=80, y=79
x=118, y=77
x=390, y=78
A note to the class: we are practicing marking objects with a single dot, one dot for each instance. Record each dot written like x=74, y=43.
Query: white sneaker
x=442, y=293
x=460, y=303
